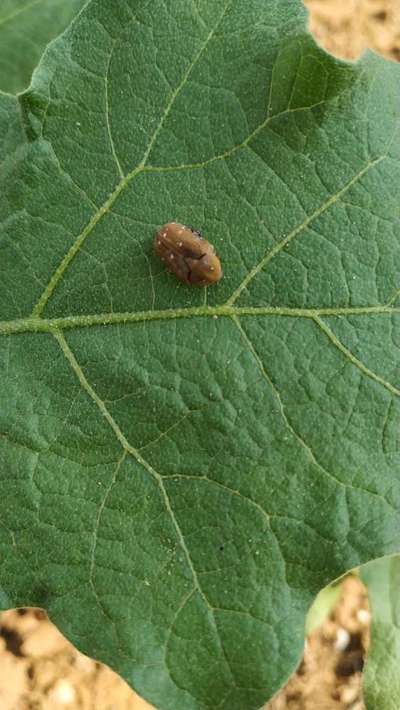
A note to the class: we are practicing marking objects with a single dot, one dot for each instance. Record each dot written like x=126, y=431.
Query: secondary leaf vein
x=128, y=448
x=107, y=112
x=297, y=230
x=304, y=444
x=353, y=359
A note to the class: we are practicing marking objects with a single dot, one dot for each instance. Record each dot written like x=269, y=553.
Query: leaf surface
x=381, y=684
x=26, y=27
x=184, y=469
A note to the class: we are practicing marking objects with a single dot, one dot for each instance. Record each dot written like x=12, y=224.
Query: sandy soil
x=347, y=27
x=40, y=670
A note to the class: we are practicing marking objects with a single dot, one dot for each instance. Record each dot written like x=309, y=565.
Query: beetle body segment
x=187, y=254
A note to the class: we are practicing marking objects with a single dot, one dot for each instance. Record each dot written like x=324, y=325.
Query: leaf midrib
x=51, y=325
x=56, y=326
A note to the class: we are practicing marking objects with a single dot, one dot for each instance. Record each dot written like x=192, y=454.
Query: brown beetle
x=187, y=255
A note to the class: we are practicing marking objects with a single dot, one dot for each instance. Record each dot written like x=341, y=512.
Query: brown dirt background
x=347, y=27
x=40, y=670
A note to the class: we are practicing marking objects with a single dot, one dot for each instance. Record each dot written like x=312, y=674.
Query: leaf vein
x=50, y=325
x=107, y=113
x=298, y=230
x=97, y=525
x=353, y=359
x=344, y=484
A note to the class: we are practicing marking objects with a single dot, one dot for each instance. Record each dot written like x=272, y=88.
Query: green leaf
x=11, y=128
x=26, y=27
x=381, y=681
x=182, y=470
